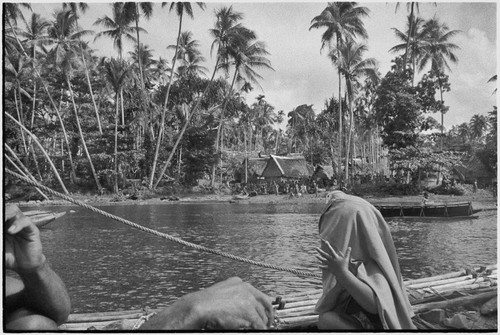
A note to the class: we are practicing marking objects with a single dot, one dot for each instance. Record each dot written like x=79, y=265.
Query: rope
x=159, y=234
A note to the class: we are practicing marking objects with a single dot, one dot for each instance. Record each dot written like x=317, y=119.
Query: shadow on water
x=107, y=265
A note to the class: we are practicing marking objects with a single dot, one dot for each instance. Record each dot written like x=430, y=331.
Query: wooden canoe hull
x=429, y=210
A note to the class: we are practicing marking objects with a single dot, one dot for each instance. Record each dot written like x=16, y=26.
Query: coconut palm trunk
x=218, y=138
x=58, y=177
x=164, y=110
x=54, y=106
x=82, y=139
x=23, y=170
x=188, y=119
x=115, y=154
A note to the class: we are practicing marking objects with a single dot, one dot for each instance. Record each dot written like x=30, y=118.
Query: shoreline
x=480, y=200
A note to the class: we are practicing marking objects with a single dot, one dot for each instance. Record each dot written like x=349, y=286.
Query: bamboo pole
x=445, y=276
x=455, y=302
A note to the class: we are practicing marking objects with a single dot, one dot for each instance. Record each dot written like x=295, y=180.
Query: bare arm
x=39, y=287
x=335, y=261
x=231, y=304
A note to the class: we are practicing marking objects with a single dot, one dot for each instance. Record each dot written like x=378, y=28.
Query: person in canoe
x=35, y=297
x=38, y=300
x=362, y=283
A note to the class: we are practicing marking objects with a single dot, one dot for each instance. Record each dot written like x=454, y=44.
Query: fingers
x=348, y=253
x=17, y=221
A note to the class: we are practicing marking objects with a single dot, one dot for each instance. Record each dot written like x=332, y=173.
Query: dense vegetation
x=74, y=118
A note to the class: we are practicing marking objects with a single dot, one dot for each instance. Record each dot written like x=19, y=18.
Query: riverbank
x=482, y=199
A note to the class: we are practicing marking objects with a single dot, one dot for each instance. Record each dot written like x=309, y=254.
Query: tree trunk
x=115, y=154
x=164, y=110
x=19, y=115
x=94, y=174
x=340, y=116
x=193, y=111
x=22, y=169
x=72, y=166
x=219, y=129
x=58, y=177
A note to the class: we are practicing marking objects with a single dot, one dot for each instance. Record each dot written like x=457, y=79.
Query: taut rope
x=159, y=234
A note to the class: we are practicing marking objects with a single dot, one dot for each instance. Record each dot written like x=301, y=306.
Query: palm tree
x=412, y=41
x=64, y=34
x=180, y=8
x=187, y=53
x=119, y=29
x=411, y=6
x=15, y=68
x=74, y=7
x=35, y=35
x=12, y=13
x=342, y=21
x=134, y=10
x=244, y=56
x=491, y=80
x=353, y=66
x=438, y=50
x=191, y=66
x=227, y=30
x=478, y=126
x=116, y=74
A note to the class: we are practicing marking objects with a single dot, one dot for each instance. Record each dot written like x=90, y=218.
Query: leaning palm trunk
x=340, y=116
x=19, y=115
x=43, y=151
x=164, y=111
x=94, y=174
x=21, y=168
x=189, y=117
x=72, y=166
x=218, y=138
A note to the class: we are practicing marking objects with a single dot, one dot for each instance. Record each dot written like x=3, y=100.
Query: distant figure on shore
x=474, y=186
x=367, y=290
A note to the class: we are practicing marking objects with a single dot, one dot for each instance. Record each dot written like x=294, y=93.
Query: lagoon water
x=108, y=266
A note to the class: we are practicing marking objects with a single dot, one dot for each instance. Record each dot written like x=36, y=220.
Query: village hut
x=254, y=166
x=323, y=175
x=286, y=168
x=473, y=169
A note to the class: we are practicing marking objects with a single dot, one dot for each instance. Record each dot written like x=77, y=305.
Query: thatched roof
x=286, y=167
x=324, y=171
x=473, y=168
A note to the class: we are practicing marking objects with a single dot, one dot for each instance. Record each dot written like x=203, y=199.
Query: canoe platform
x=461, y=209
x=463, y=299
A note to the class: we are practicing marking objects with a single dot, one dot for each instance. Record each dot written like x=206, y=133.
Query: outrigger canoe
x=427, y=210
x=449, y=293
x=42, y=218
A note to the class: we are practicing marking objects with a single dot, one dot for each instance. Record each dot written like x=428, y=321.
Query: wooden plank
x=455, y=302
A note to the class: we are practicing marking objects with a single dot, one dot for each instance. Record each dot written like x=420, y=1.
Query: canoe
x=42, y=218
x=296, y=311
x=429, y=210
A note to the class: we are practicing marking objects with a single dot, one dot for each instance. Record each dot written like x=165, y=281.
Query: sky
x=302, y=73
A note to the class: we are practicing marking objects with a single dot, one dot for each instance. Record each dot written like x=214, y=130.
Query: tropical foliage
x=73, y=118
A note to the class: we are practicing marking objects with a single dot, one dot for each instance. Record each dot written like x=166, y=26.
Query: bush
x=386, y=188
x=447, y=190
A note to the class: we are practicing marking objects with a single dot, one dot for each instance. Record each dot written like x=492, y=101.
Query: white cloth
x=350, y=221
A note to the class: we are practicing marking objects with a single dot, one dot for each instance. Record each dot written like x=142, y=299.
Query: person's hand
x=230, y=304
x=334, y=260
x=234, y=304
x=23, y=248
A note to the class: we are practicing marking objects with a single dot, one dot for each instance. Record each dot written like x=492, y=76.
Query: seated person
x=367, y=290
x=37, y=299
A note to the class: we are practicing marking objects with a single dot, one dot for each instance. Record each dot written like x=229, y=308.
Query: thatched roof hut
x=473, y=169
x=255, y=166
x=294, y=167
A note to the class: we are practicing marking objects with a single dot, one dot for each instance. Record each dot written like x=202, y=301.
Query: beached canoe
x=42, y=218
x=428, y=210
x=296, y=312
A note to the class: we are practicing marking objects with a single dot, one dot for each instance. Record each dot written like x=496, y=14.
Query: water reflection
x=109, y=266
